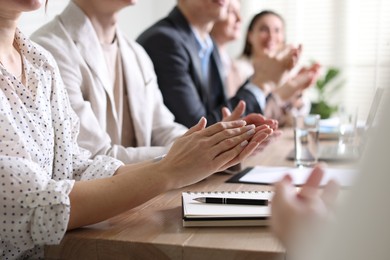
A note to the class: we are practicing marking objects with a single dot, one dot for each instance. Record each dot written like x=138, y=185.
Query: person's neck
x=200, y=24
x=104, y=23
x=220, y=42
x=105, y=28
x=7, y=34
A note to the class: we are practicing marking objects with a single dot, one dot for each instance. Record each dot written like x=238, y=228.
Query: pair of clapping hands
x=203, y=151
x=273, y=74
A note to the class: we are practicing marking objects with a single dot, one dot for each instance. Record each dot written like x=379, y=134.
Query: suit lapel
x=87, y=42
x=192, y=48
x=219, y=67
x=188, y=39
x=135, y=81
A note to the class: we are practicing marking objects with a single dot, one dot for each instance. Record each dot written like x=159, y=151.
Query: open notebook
x=198, y=214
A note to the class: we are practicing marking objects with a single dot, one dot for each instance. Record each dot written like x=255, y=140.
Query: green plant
x=325, y=91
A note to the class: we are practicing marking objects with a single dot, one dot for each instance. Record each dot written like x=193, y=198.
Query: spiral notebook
x=198, y=214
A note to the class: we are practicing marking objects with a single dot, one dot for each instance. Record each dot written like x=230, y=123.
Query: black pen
x=259, y=202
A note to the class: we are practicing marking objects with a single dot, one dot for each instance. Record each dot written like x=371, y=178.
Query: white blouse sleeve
x=35, y=208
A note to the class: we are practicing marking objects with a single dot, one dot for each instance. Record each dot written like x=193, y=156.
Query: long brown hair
x=248, y=46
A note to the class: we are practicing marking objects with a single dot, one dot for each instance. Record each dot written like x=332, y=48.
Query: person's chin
x=221, y=3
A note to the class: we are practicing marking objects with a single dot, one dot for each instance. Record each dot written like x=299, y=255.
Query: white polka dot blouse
x=39, y=157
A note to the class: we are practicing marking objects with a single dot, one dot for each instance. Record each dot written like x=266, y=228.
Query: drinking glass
x=306, y=140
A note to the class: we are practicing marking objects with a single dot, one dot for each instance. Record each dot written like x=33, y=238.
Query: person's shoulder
x=53, y=38
x=48, y=57
x=48, y=31
x=162, y=30
x=136, y=48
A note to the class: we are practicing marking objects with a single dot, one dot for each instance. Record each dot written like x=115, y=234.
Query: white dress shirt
x=39, y=156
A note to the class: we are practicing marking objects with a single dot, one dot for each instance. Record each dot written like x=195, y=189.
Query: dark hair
x=248, y=46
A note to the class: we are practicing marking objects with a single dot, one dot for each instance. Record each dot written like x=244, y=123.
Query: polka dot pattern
x=39, y=156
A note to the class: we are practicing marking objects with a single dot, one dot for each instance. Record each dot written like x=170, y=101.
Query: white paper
x=270, y=175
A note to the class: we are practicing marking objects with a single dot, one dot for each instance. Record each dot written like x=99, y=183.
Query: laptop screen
x=374, y=107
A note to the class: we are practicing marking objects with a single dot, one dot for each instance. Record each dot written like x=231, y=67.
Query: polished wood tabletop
x=154, y=230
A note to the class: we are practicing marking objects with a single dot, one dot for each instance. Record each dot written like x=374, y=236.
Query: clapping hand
x=258, y=120
x=292, y=210
x=271, y=70
x=203, y=151
x=293, y=88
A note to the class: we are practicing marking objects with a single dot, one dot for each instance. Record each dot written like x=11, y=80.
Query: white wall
x=31, y=21
x=133, y=20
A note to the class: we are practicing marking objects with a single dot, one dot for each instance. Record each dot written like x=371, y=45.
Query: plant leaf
x=331, y=74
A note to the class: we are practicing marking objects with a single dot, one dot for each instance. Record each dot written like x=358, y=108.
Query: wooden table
x=154, y=230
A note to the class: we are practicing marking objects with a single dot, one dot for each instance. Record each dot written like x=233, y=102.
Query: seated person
x=188, y=66
x=225, y=31
x=266, y=37
x=49, y=183
x=111, y=83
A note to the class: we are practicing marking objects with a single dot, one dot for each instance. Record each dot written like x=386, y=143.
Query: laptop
x=344, y=152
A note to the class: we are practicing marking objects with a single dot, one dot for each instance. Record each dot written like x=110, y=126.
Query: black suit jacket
x=172, y=47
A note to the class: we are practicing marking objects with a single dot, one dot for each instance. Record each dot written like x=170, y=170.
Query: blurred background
x=350, y=35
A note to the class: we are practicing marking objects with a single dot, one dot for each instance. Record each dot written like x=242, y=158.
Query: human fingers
x=221, y=126
x=267, y=53
x=283, y=51
x=300, y=48
x=283, y=208
x=274, y=124
x=290, y=56
x=330, y=193
x=237, y=112
x=236, y=155
x=277, y=133
x=254, y=118
x=199, y=126
x=310, y=189
x=279, y=187
x=315, y=67
x=258, y=119
x=261, y=135
x=302, y=70
x=246, y=148
x=295, y=55
x=229, y=139
x=254, y=146
x=303, y=80
x=225, y=112
x=264, y=141
x=228, y=134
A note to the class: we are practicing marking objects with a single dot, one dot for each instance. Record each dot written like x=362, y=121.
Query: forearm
x=97, y=200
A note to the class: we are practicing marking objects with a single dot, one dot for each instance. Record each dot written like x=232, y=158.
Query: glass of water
x=306, y=140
